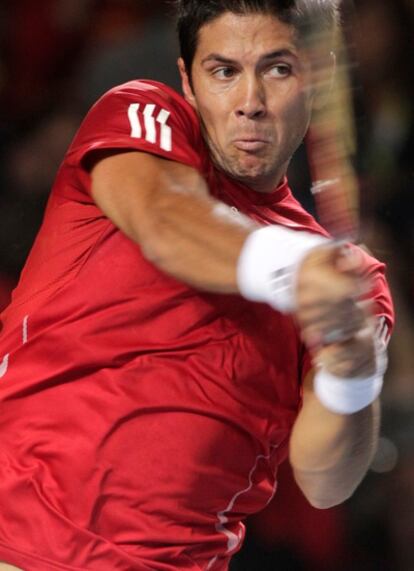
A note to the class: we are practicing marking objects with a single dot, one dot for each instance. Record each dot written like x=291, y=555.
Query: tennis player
x=152, y=361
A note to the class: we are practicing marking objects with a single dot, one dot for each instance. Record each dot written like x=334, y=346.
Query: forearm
x=194, y=239
x=331, y=453
x=179, y=227
x=165, y=207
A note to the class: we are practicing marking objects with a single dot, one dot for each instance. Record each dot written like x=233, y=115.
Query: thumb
x=348, y=260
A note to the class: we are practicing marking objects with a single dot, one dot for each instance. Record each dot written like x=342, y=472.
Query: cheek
x=213, y=107
x=214, y=119
x=296, y=115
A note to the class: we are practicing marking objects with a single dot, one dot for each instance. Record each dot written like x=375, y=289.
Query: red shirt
x=141, y=420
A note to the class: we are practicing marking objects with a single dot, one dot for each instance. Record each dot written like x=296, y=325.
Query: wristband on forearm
x=269, y=262
x=347, y=396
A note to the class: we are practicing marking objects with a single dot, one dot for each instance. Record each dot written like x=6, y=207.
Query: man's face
x=249, y=87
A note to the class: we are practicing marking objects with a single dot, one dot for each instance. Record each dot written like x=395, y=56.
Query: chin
x=248, y=168
x=252, y=170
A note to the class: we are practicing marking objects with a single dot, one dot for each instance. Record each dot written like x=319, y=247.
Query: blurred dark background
x=58, y=56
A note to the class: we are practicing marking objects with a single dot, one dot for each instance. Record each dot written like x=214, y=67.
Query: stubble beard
x=263, y=177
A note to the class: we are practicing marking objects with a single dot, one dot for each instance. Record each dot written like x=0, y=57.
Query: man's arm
x=330, y=453
x=165, y=207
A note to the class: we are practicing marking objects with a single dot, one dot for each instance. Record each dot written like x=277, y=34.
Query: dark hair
x=194, y=14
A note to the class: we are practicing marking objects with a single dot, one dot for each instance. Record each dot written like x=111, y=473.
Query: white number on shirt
x=4, y=365
x=145, y=121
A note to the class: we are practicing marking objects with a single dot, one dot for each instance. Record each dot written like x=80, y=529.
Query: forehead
x=245, y=36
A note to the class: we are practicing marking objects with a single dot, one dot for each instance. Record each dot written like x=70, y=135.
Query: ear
x=186, y=83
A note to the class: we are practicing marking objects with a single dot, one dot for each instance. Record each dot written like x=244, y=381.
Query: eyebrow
x=269, y=56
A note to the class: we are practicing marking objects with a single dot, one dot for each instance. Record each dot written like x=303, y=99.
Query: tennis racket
x=331, y=141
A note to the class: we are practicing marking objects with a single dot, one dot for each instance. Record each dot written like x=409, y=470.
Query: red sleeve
x=143, y=116
x=380, y=294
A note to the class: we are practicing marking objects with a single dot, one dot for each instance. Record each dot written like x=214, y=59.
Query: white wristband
x=268, y=264
x=347, y=396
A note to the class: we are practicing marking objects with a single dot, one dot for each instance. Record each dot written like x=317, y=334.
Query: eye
x=224, y=73
x=280, y=70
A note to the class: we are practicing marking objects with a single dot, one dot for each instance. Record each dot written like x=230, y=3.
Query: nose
x=252, y=99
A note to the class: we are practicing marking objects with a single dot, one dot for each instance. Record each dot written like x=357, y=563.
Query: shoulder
x=140, y=115
x=149, y=88
x=146, y=93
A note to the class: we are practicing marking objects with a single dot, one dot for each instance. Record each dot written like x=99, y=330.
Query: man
x=145, y=404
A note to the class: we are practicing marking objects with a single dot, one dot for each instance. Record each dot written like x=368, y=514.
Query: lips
x=250, y=145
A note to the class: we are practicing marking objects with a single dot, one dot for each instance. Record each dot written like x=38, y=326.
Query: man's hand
x=328, y=293
x=336, y=325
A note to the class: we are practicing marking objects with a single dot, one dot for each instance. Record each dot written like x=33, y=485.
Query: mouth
x=250, y=144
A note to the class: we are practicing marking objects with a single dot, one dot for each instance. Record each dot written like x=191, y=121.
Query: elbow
x=321, y=502
x=324, y=493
